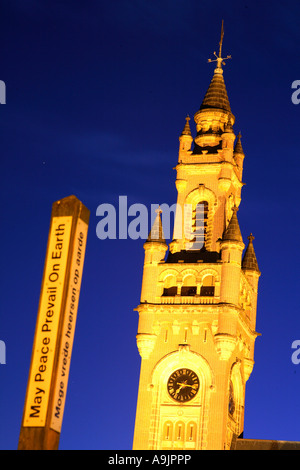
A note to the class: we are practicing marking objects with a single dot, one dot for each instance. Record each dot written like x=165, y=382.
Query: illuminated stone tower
x=197, y=311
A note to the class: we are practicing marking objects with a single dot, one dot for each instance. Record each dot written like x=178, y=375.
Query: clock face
x=183, y=385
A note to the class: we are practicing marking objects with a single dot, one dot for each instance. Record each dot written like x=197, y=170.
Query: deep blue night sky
x=97, y=94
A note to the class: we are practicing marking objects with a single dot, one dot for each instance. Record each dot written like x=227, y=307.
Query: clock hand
x=184, y=384
x=179, y=388
x=181, y=385
x=192, y=386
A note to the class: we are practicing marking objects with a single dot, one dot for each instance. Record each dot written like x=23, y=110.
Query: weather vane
x=219, y=59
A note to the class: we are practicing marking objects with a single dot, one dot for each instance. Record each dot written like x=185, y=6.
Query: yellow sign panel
x=68, y=328
x=39, y=382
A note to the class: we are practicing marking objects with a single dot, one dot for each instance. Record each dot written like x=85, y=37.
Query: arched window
x=189, y=286
x=191, y=432
x=208, y=286
x=168, y=431
x=179, y=431
x=170, y=288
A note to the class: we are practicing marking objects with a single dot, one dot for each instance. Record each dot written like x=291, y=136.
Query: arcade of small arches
x=190, y=283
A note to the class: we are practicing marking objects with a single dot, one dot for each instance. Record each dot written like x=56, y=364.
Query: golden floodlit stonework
x=197, y=312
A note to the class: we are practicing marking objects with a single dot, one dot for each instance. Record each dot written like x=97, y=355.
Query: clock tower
x=197, y=311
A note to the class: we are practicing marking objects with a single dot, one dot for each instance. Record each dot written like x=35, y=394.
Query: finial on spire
x=219, y=59
x=158, y=210
x=187, y=129
x=238, y=145
x=156, y=233
x=221, y=40
x=251, y=238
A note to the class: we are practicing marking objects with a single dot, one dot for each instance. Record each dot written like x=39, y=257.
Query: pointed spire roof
x=249, y=259
x=157, y=234
x=233, y=231
x=238, y=146
x=187, y=129
x=216, y=95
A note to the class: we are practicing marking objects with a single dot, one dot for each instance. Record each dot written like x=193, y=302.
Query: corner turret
x=155, y=249
x=231, y=247
x=185, y=138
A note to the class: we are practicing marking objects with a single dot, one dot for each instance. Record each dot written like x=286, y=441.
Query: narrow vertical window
x=167, y=437
x=179, y=435
x=185, y=334
x=231, y=402
x=191, y=432
x=179, y=431
x=200, y=222
x=166, y=336
x=167, y=431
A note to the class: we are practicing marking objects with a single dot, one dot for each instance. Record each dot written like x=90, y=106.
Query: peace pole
x=55, y=326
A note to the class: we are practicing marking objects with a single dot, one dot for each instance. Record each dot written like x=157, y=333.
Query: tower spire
x=219, y=59
x=216, y=95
